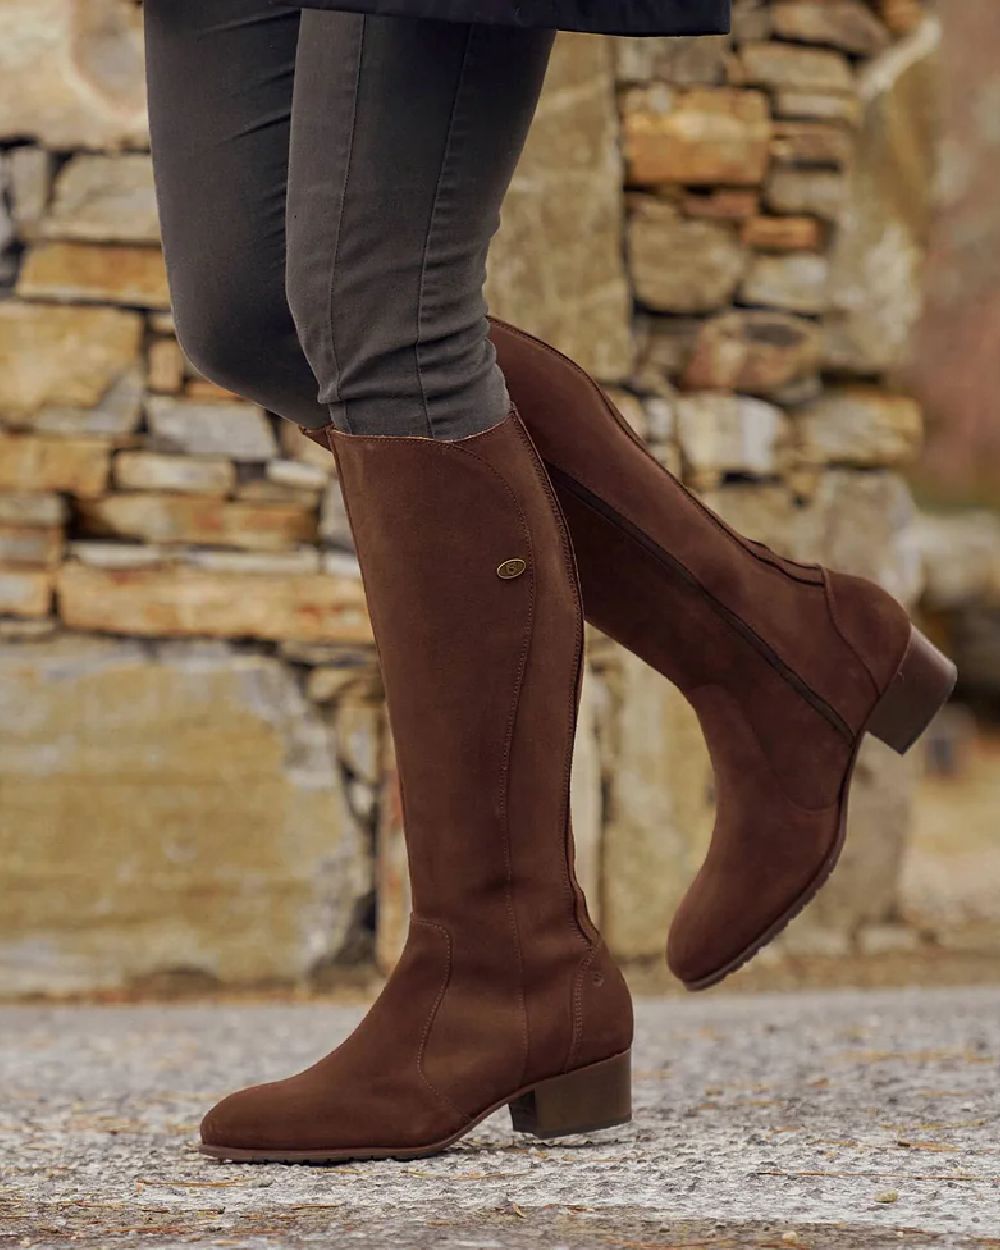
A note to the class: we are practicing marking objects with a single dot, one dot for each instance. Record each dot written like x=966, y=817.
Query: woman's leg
x=389, y=216
x=221, y=90
x=405, y=138
x=220, y=101
x=405, y=135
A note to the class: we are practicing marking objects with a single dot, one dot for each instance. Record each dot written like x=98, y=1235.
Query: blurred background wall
x=956, y=361
x=196, y=780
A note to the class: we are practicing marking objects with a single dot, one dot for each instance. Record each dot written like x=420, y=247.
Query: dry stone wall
x=195, y=775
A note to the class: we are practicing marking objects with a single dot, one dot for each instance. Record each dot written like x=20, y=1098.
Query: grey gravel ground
x=836, y=1120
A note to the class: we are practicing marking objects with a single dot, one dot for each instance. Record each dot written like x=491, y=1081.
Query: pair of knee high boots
x=481, y=558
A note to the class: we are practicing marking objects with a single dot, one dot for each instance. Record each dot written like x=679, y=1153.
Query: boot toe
x=228, y=1123
x=727, y=916
x=260, y=1117
x=694, y=956
x=716, y=930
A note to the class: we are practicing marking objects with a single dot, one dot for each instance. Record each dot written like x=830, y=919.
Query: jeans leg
x=220, y=77
x=405, y=135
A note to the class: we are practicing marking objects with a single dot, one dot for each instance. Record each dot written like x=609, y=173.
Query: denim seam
x=338, y=231
x=432, y=222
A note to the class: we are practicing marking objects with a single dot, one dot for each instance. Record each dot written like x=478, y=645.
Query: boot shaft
x=787, y=665
x=475, y=606
x=742, y=593
x=477, y=618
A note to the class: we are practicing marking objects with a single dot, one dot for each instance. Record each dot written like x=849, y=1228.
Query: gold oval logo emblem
x=511, y=569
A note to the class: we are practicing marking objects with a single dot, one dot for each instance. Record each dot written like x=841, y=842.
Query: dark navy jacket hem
x=610, y=17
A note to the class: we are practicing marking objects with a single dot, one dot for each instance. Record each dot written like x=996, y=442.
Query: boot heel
x=591, y=1098
x=922, y=684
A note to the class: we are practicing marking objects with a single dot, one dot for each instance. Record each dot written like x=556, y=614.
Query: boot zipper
x=597, y=504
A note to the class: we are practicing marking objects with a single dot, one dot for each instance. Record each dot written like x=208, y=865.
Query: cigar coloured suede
x=504, y=982
x=786, y=664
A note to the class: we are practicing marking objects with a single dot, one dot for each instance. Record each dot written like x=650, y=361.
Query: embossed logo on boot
x=511, y=569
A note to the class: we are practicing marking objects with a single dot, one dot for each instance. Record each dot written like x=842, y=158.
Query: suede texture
x=783, y=662
x=504, y=980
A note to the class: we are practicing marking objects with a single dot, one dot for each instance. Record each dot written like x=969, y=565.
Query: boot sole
x=585, y=1100
x=922, y=685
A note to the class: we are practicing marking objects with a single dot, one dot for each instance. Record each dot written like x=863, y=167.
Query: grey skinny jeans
x=328, y=186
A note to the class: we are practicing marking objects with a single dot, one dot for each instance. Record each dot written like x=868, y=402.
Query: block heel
x=922, y=684
x=598, y=1096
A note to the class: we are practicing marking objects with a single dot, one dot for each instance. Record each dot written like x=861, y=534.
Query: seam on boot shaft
x=522, y=666
x=425, y=1035
x=584, y=925
x=577, y=916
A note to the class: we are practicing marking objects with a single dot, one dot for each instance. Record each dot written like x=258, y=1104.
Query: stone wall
x=195, y=775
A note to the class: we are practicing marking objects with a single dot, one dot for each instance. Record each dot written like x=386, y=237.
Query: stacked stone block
x=195, y=773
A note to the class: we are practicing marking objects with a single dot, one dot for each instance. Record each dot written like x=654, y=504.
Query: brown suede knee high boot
x=787, y=665
x=505, y=992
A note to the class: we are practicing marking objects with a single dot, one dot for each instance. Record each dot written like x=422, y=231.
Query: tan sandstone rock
x=29, y=175
x=754, y=351
x=679, y=265
x=822, y=193
x=166, y=518
x=19, y=508
x=556, y=266
x=105, y=199
x=781, y=65
x=696, y=137
x=71, y=74
x=62, y=355
x=198, y=475
x=75, y=466
x=37, y=546
x=25, y=592
x=721, y=434
x=878, y=254
x=235, y=429
x=846, y=24
x=797, y=283
x=783, y=234
x=98, y=273
x=660, y=813
x=141, y=785
x=860, y=425
x=191, y=603
x=812, y=143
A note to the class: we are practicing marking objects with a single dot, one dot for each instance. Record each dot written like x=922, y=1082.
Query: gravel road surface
x=823, y=1120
